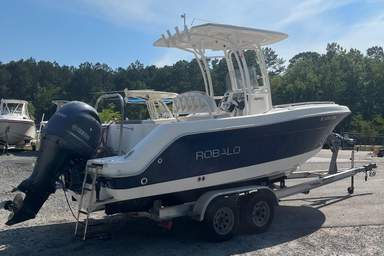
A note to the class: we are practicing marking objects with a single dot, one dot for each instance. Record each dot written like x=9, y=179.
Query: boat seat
x=195, y=105
x=202, y=116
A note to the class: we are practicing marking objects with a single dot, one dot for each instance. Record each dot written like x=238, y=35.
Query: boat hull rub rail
x=302, y=104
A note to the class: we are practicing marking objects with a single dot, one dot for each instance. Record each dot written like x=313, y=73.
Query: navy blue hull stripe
x=213, y=152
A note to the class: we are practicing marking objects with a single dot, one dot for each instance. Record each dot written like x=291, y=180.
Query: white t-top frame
x=233, y=41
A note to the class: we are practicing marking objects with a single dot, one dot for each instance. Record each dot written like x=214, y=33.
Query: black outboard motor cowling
x=72, y=133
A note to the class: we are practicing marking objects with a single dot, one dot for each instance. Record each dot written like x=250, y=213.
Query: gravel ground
x=328, y=221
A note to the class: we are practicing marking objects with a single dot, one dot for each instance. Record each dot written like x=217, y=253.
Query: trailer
x=252, y=207
x=28, y=143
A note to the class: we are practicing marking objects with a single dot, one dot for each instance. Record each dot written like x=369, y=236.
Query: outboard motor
x=71, y=135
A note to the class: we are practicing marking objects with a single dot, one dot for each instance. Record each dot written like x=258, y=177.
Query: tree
x=20, y=82
x=345, y=77
x=334, y=49
x=376, y=53
x=219, y=76
x=5, y=79
x=108, y=114
x=314, y=56
x=362, y=126
x=275, y=65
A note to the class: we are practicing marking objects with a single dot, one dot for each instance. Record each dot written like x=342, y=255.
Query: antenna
x=184, y=16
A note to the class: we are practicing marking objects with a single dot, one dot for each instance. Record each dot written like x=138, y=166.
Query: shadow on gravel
x=20, y=152
x=122, y=234
x=320, y=202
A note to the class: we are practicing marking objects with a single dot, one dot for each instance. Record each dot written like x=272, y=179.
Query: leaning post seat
x=191, y=103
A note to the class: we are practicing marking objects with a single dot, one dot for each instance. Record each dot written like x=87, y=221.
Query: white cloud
x=365, y=35
x=358, y=36
x=125, y=12
x=311, y=24
x=131, y=13
x=310, y=8
x=170, y=56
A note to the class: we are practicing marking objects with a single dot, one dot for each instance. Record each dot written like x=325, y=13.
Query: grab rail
x=303, y=103
x=122, y=114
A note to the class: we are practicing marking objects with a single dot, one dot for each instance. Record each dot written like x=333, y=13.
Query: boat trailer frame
x=197, y=210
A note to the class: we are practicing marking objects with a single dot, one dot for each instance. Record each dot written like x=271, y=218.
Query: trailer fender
x=271, y=194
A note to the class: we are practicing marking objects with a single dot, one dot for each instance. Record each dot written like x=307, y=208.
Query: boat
x=59, y=104
x=175, y=157
x=16, y=126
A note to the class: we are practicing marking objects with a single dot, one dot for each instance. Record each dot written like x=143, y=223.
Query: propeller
x=13, y=206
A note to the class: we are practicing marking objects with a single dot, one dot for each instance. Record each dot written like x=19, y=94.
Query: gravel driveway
x=327, y=221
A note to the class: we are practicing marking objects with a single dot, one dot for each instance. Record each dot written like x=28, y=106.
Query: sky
x=119, y=32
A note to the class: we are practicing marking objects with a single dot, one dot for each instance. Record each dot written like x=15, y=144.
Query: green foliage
x=347, y=77
x=376, y=53
x=314, y=56
x=275, y=65
x=109, y=114
x=378, y=123
x=362, y=126
x=31, y=110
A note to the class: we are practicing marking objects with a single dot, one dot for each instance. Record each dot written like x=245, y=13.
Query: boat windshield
x=156, y=102
x=12, y=108
x=255, y=80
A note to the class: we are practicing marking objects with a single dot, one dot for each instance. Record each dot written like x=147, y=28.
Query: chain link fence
x=365, y=142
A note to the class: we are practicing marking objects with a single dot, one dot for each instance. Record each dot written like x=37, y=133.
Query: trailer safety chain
x=66, y=198
x=69, y=206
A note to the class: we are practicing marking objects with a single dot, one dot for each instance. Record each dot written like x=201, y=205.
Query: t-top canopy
x=215, y=37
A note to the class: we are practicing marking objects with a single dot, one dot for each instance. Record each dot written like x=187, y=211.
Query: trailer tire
x=256, y=212
x=221, y=220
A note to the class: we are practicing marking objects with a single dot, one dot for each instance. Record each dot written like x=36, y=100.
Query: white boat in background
x=59, y=104
x=16, y=126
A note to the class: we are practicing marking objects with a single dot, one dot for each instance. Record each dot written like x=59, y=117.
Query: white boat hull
x=19, y=131
x=246, y=174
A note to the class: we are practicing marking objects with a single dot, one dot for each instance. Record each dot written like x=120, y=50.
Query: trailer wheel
x=221, y=220
x=256, y=213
